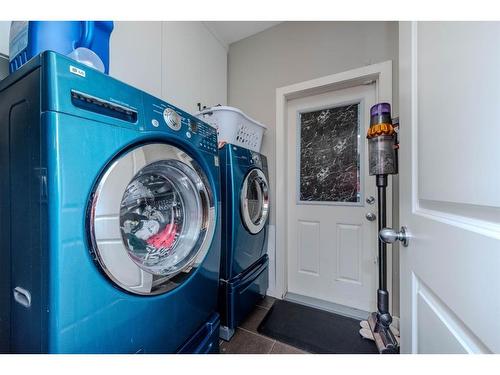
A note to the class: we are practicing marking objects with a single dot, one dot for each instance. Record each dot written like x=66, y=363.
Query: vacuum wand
x=382, y=293
x=383, y=300
x=383, y=161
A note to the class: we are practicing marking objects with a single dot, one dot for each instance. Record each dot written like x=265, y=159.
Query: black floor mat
x=315, y=331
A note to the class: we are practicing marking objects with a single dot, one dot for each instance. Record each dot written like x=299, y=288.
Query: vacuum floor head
x=386, y=341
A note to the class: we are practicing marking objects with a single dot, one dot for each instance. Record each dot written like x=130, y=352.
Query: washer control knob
x=172, y=119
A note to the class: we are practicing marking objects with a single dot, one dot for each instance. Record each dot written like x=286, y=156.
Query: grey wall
x=293, y=52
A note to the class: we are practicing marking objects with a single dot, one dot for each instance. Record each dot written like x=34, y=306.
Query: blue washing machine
x=245, y=211
x=109, y=217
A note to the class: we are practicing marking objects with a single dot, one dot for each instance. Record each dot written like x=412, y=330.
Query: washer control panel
x=208, y=135
x=165, y=117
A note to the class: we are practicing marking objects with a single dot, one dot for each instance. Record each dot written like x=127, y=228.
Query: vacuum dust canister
x=382, y=141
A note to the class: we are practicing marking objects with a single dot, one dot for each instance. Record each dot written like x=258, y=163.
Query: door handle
x=389, y=235
x=370, y=216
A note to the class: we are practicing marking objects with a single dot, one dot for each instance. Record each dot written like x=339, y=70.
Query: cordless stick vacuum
x=383, y=161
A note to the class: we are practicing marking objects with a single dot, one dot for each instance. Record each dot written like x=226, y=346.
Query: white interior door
x=449, y=187
x=332, y=248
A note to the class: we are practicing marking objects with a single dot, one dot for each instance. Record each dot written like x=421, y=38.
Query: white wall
x=4, y=48
x=181, y=62
x=4, y=37
x=293, y=52
x=197, y=64
x=135, y=55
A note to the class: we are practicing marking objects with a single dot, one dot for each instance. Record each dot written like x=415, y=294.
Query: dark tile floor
x=247, y=340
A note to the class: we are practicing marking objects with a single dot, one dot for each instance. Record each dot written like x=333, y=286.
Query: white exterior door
x=332, y=248
x=449, y=192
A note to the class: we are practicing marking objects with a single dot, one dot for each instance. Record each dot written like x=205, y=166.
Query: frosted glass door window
x=329, y=160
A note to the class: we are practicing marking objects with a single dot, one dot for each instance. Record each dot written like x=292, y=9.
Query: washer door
x=152, y=219
x=254, y=201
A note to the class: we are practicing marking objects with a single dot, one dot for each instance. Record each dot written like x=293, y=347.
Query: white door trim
x=382, y=74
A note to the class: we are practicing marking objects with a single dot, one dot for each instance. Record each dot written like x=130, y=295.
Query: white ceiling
x=231, y=31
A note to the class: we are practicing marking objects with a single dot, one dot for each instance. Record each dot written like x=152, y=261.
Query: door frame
x=381, y=73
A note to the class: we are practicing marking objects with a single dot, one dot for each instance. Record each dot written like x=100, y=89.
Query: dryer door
x=254, y=201
x=152, y=219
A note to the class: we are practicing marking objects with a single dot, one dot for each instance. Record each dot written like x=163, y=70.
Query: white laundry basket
x=234, y=127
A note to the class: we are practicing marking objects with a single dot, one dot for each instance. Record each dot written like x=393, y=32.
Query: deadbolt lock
x=370, y=216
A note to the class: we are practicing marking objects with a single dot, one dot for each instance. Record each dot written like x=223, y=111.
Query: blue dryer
x=109, y=217
x=245, y=212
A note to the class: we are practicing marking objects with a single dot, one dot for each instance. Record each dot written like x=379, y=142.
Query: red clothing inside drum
x=164, y=238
